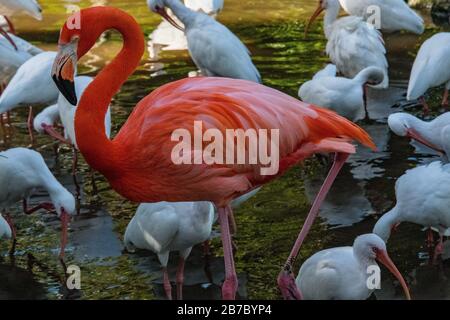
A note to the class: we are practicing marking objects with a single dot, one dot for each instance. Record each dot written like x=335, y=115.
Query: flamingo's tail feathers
x=329, y=125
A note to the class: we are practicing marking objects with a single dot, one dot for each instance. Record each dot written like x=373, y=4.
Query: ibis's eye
x=375, y=249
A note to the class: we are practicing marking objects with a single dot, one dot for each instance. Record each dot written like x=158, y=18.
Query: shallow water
x=267, y=224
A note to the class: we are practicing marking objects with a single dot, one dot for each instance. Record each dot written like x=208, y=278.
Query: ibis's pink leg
x=7, y=37
x=2, y=124
x=426, y=108
x=230, y=284
x=445, y=99
x=167, y=285
x=286, y=281
x=430, y=245
x=180, y=279
x=206, y=256
x=45, y=205
x=10, y=25
x=439, y=249
x=10, y=221
x=30, y=126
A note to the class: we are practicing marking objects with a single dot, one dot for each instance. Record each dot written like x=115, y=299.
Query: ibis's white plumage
x=340, y=273
x=431, y=67
x=353, y=45
x=345, y=96
x=166, y=37
x=30, y=7
x=394, y=15
x=11, y=59
x=214, y=48
x=47, y=117
x=169, y=226
x=422, y=197
x=22, y=171
x=67, y=110
x=5, y=229
x=32, y=84
x=435, y=133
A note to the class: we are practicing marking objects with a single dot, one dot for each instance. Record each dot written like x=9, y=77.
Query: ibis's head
x=375, y=76
x=370, y=247
x=402, y=124
x=64, y=202
x=159, y=7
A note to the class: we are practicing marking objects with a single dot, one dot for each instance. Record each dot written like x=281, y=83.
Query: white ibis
x=342, y=273
x=21, y=172
x=433, y=135
x=352, y=44
x=395, y=15
x=30, y=7
x=5, y=229
x=431, y=69
x=46, y=118
x=14, y=51
x=345, y=96
x=32, y=84
x=422, y=198
x=164, y=227
x=166, y=37
x=214, y=48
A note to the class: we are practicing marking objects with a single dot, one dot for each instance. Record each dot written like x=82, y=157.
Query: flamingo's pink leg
x=230, y=284
x=75, y=180
x=167, y=285
x=286, y=281
x=180, y=278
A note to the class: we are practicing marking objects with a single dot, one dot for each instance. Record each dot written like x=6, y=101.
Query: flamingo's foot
x=288, y=288
x=229, y=288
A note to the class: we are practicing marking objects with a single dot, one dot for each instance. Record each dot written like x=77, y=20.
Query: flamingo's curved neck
x=98, y=150
x=183, y=13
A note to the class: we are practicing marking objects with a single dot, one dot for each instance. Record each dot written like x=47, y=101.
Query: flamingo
x=353, y=45
x=5, y=229
x=431, y=68
x=422, y=198
x=434, y=135
x=170, y=226
x=395, y=15
x=213, y=47
x=138, y=161
x=342, y=273
x=345, y=96
x=21, y=172
x=166, y=37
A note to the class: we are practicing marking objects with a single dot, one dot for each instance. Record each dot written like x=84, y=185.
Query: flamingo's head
x=370, y=247
x=159, y=7
x=78, y=35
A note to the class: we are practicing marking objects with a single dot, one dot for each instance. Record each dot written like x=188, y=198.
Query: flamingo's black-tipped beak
x=63, y=72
